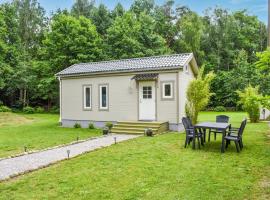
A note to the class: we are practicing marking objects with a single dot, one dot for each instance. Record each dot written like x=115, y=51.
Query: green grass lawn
x=35, y=131
x=156, y=168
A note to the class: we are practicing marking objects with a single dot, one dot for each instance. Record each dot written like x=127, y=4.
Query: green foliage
x=77, y=125
x=28, y=110
x=82, y=8
x=54, y=109
x=226, y=83
x=4, y=108
x=190, y=30
x=39, y=110
x=91, y=126
x=250, y=99
x=134, y=36
x=263, y=65
x=71, y=40
x=220, y=109
x=109, y=125
x=101, y=18
x=198, y=95
x=140, y=6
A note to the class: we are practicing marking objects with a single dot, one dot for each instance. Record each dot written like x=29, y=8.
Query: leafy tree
x=263, y=65
x=82, y=8
x=225, y=84
x=165, y=26
x=123, y=37
x=190, y=29
x=226, y=34
x=130, y=36
x=118, y=11
x=101, y=18
x=9, y=51
x=198, y=95
x=32, y=23
x=71, y=40
x=250, y=99
x=31, y=26
x=140, y=6
x=153, y=43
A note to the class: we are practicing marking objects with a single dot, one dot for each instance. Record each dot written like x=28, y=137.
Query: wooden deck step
x=138, y=127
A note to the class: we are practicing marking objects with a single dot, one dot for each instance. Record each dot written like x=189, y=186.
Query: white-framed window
x=87, y=97
x=167, y=90
x=103, y=97
x=186, y=69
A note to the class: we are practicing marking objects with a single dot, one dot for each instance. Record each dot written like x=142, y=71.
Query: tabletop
x=213, y=125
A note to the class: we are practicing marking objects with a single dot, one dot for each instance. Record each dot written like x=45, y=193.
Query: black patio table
x=214, y=125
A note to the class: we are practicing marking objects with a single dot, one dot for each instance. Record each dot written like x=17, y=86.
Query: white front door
x=147, y=100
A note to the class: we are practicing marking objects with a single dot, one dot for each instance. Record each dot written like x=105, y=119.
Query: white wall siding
x=122, y=99
x=185, y=77
x=167, y=109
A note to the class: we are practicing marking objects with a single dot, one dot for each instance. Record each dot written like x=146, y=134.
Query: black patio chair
x=219, y=119
x=191, y=134
x=236, y=137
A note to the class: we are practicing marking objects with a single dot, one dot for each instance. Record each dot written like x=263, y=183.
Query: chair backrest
x=186, y=124
x=222, y=119
x=242, y=127
x=189, y=122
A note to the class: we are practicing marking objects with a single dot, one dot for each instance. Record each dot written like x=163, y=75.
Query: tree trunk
x=49, y=104
x=24, y=97
x=21, y=95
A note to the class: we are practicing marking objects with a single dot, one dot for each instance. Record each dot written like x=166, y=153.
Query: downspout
x=60, y=100
x=177, y=99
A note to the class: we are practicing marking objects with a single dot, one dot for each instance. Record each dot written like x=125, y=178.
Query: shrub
x=5, y=109
x=250, y=99
x=28, y=110
x=39, y=110
x=91, y=126
x=1, y=103
x=109, y=125
x=77, y=125
x=55, y=109
x=198, y=95
x=220, y=109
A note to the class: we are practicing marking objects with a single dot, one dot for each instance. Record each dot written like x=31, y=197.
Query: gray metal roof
x=126, y=65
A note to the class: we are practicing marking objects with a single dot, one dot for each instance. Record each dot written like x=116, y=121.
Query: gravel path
x=14, y=166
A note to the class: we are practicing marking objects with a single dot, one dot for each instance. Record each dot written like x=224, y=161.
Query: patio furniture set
x=221, y=126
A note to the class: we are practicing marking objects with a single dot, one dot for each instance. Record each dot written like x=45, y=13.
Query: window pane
x=147, y=92
x=103, y=97
x=167, y=90
x=87, y=97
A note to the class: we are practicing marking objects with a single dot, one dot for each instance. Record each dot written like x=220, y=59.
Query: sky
x=254, y=7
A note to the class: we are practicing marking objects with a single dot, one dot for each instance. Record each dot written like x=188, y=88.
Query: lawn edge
x=56, y=162
x=50, y=148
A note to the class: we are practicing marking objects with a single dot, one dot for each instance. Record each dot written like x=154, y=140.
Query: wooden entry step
x=138, y=127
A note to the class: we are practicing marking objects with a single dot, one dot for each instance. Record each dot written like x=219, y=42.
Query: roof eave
x=58, y=75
